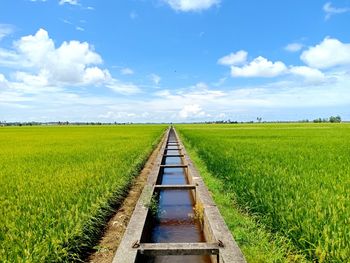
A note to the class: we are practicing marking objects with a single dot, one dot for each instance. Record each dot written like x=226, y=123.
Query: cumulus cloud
x=5, y=30
x=293, y=47
x=73, y=63
x=310, y=74
x=191, y=5
x=238, y=58
x=259, y=67
x=329, y=53
x=331, y=10
x=70, y=63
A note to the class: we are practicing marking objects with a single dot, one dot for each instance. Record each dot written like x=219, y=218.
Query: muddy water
x=175, y=220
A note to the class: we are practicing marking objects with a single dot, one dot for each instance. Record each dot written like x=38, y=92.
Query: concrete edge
x=216, y=226
x=135, y=226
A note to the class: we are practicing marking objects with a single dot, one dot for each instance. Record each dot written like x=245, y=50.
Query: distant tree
x=335, y=119
x=332, y=119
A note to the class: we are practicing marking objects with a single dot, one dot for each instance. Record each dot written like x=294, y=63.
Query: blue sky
x=173, y=60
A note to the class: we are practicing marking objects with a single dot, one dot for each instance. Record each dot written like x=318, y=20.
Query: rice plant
x=59, y=184
x=295, y=178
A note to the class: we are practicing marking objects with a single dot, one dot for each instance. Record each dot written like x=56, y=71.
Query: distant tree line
x=220, y=122
x=332, y=119
x=60, y=123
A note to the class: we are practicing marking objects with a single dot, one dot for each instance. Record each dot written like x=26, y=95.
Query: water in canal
x=175, y=221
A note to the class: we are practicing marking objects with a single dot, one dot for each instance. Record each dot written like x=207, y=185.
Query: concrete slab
x=177, y=249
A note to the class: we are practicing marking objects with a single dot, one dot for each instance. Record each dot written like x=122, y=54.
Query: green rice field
x=59, y=184
x=294, y=179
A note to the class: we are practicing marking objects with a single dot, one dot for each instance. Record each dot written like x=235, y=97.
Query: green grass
x=60, y=184
x=293, y=179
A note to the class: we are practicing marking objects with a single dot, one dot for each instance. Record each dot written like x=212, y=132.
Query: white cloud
x=126, y=71
x=96, y=75
x=9, y=58
x=259, y=67
x=69, y=63
x=71, y=2
x=199, y=93
x=111, y=115
x=329, y=53
x=294, y=47
x=155, y=78
x=191, y=111
x=42, y=85
x=331, y=10
x=40, y=63
x=310, y=74
x=5, y=30
x=283, y=100
x=31, y=80
x=238, y=58
x=123, y=88
x=79, y=28
x=191, y=5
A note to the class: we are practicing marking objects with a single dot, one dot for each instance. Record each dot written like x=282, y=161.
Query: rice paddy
x=59, y=184
x=294, y=178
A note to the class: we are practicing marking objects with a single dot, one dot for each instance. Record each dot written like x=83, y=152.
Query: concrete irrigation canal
x=175, y=219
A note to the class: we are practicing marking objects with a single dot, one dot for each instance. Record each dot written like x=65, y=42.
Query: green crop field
x=58, y=185
x=293, y=178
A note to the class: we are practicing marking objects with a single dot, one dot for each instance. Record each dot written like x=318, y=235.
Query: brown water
x=174, y=221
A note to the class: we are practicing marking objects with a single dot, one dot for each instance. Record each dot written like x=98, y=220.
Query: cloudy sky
x=174, y=60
